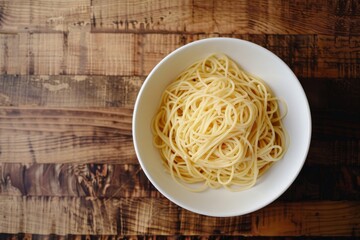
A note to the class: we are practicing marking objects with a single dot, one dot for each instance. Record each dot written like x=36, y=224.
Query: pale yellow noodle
x=219, y=126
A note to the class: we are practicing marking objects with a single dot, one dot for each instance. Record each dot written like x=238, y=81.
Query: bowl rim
x=174, y=200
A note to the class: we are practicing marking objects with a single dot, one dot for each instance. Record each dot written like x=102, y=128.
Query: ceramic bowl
x=258, y=61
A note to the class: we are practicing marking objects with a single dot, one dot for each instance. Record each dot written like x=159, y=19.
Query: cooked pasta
x=218, y=126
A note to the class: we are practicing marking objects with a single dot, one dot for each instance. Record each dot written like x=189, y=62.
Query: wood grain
x=70, y=72
x=70, y=135
x=79, y=53
x=148, y=237
x=129, y=181
x=70, y=91
x=275, y=17
x=44, y=15
x=48, y=135
x=139, y=216
x=57, y=113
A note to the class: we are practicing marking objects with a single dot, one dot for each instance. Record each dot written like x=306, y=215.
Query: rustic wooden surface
x=70, y=71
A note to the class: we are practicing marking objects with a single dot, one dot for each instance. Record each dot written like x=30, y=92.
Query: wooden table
x=71, y=71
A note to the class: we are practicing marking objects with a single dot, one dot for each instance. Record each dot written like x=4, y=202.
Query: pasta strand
x=219, y=126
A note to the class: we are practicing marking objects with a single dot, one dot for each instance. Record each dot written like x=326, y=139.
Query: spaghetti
x=218, y=126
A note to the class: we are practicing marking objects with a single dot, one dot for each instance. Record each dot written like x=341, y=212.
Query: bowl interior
x=282, y=81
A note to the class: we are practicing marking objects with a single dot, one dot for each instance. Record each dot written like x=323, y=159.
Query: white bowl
x=258, y=61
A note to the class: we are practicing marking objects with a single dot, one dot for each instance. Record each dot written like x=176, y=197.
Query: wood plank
x=75, y=180
x=129, y=181
x=67, y=134
x=21, y=236
x=57, y=215
x=333, y=94
x=336, y=124
x=316, y=218
x=44, y=15
x=254, y=17
x=77, y=52
x=133, y=16
x=243, y=17
x=338, y=56
x=309, y=56
x=333, y=150
x=121, y=91
x=141, y=216
x=103, y=135
x=60, y=135
x=321, y=182
x=79, y=91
